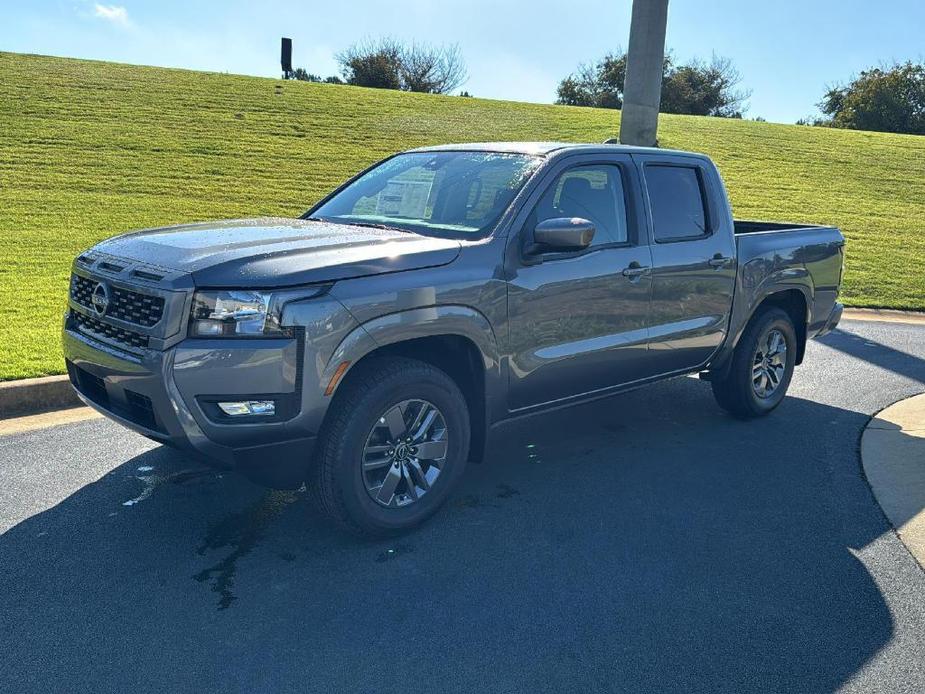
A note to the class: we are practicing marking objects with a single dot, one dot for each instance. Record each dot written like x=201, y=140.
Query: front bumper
x=169, y=397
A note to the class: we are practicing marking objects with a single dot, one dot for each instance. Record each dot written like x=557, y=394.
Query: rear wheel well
x=793, y=303
x=461, y=360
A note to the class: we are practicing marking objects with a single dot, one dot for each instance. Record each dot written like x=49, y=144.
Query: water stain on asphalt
x=472, y=501
x=150, y=482
x=240, y=532
x=506, y=491
x=184, y=476
x=153, y=479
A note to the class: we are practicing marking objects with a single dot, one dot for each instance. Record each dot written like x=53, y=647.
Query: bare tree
x=388, y=64
x=432, y=69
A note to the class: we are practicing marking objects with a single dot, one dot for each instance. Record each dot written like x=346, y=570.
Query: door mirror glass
x=562, y=234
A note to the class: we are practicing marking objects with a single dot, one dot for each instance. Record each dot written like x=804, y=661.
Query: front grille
x=132, y=307
x=108, y=333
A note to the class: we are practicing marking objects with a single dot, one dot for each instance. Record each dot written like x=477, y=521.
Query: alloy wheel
x=770, y=363
x=404, y=453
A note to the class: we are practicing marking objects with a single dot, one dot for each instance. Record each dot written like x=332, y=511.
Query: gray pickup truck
x=374, y=346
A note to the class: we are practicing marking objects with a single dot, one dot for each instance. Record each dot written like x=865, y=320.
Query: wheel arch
x=795, y=304
x=793, y=298
x=456, y=339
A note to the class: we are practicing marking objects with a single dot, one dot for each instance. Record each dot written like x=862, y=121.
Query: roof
x=543, y=148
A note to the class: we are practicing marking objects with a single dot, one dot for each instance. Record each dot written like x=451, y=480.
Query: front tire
x=762, y=366
x=393, y=447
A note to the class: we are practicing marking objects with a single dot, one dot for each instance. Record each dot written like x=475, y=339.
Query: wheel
x=393, y=446
x=762, y=366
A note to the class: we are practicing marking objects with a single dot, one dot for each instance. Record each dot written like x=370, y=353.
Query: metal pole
x=643, y=89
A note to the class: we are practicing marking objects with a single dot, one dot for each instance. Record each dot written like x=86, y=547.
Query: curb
x=893, y=457
x=884, y=315
x=36, y=395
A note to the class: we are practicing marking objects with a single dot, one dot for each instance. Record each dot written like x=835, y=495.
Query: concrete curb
x=893, y=455
x=35, y=395
x=884, y=315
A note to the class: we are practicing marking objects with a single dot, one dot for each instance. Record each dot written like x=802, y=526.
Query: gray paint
x=276, y=252
x=552, y=328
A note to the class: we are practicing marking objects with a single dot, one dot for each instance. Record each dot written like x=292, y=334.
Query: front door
x=578, y=322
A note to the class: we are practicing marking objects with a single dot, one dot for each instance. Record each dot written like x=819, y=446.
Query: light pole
x=643, y=88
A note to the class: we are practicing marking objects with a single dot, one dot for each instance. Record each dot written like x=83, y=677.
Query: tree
x=890, y=99
x=301, y=74
x=418, y=67
x=599, y=84
x=432, y=69
x=372, y=64
x=704, y=89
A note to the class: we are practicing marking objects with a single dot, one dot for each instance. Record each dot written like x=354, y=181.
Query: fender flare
x=758, y=290
x=432, y=321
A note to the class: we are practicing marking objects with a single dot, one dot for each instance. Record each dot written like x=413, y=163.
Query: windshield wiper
x=376, y=225
x=368, y=225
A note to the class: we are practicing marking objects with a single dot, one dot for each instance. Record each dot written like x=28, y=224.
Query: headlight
x=233, y=312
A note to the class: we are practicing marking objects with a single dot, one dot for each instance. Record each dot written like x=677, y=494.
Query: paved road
x=646, y=543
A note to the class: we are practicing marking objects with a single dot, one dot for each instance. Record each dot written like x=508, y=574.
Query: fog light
x=248, y=407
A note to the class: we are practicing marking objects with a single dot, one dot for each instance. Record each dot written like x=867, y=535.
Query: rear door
x=578, y=320
x=693, y=261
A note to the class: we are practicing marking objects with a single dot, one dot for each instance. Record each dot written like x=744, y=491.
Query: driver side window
x=593, y=192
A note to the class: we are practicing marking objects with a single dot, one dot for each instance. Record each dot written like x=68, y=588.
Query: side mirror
x=562, y=234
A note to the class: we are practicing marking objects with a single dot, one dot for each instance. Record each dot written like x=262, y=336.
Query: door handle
x=718, y=261
x=634, y=271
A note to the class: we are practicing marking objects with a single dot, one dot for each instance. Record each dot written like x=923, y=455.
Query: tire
x=738, y=393
x=356, y=425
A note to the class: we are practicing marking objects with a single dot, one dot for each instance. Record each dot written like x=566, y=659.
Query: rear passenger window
x=677, y=202
x=594, y=193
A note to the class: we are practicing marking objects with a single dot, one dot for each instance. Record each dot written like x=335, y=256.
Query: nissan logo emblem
x=100, y=299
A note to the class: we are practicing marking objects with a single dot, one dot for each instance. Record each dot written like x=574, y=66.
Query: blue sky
x=787, y=50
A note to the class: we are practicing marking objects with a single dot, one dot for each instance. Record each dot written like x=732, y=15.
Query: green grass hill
x=92, y=149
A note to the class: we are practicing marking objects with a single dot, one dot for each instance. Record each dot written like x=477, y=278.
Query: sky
x=787, y=51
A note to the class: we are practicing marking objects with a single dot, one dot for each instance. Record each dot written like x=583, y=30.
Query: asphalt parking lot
x=644, y=543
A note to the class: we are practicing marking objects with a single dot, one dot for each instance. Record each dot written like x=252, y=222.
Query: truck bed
x=775, y=252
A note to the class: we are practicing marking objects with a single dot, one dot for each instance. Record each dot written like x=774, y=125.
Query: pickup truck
x=371, y=348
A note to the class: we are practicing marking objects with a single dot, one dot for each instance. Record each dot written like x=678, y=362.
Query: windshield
x=455, y=194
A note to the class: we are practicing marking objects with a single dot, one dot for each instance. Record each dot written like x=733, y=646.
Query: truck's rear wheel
x=393, y=447
x=762, y=366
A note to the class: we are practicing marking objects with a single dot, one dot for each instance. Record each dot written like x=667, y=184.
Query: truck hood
x=277, y=252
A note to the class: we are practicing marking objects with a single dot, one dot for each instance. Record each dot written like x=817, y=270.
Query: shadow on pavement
x=646, y=543
x=876, y=353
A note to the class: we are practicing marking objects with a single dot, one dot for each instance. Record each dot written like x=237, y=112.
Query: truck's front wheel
x=394, y=445
x=762, y=366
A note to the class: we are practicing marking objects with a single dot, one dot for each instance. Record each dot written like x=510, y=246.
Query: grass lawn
x=91, y=149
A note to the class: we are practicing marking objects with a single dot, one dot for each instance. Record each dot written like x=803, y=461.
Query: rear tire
x=360, y=446
x=762, y=366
